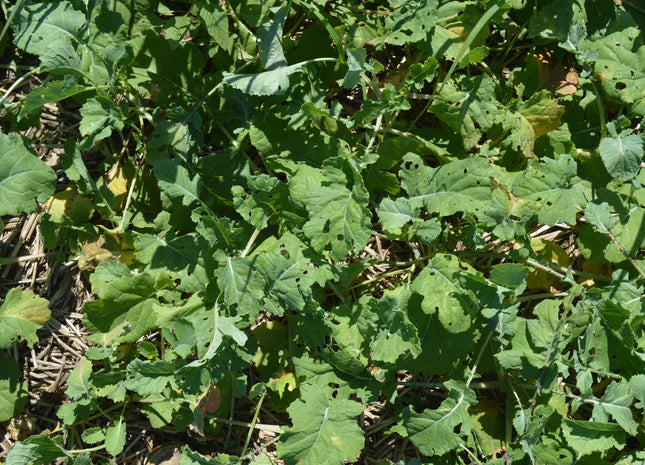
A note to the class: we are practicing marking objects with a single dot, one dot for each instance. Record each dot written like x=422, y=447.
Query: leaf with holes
x=433, y=431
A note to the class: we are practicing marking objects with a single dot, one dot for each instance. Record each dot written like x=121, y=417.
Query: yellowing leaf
x=69, y=203
x=93, y=253
x=599, y=268
x=549, y=251
x=21, y=315
x=117, y=182
x=542, y=112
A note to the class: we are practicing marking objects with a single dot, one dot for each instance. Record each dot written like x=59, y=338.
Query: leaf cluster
x=323, y=207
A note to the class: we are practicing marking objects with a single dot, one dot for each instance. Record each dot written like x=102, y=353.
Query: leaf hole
x=620, y=86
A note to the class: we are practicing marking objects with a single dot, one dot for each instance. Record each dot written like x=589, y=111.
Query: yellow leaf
x=599, y=268
x=552, y=252
x=69, y=203
x=117, y=181
x=93, y=253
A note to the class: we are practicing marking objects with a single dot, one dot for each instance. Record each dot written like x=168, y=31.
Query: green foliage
x=24, y=179
x=419, y=205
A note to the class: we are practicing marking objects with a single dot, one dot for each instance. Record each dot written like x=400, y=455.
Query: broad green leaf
x=598, y=216
x=564, y=21
x=130, y=299
x=544, y=328
x=175, y=181
x=471, y=112
x=241, y=284
x=61, y=58
x=182, y=256
x=53, y=92
x=338, y=217
x=147, y=378
x=586, y=437
x=426, y=231
x=215, y=21
x=324, y=429
x=13, y=393
x=269, y=197
x=269, y=37
x=619, y=60
x=273, y=82
x=171, y=76
x=551, y=184
x=452, y=36
x=462, y=185
x=36, y=450
x=115, y=437
x=395, y=213
x=24, y=179
x=385, y=324
x=443, y=294
x=450, y=356
x=509, y=275
x=412, y=21
x=422, y=73
x=100, y=118
x=40, y=25
x=289, y=274
x=433, y=431
x=622, y=155
x=21, y=315
x=595, y=245
x=616, y=402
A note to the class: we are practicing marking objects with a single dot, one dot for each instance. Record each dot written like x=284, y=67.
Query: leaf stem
x=18, y=82
x=249, y=244
x=15, y=9
x=479, y=357
x=260, y=426
x=127, y=202
x=89, y=449
x=543, y=295
x=253, y=422
x=601, y=111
